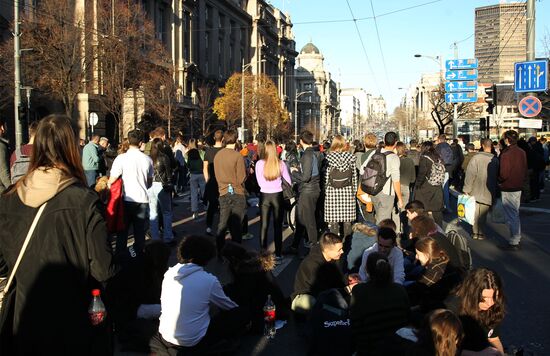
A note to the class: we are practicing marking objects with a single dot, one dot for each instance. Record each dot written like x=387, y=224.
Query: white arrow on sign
x=452, y=75
x=451, y=85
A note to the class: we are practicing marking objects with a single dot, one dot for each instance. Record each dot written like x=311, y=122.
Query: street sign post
x=462, y=97
x=453, y=64
x=531, y=76
x=463, y=74
x=530, y=106
x=460, y=86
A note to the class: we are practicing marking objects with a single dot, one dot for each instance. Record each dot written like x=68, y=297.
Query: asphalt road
x=525, y=273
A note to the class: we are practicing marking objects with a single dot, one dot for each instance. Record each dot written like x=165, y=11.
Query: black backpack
x=461, y=244
x=340, y=179
x=374, y=176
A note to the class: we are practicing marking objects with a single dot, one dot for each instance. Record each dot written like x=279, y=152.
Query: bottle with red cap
x=97, y=309
x=269, y=318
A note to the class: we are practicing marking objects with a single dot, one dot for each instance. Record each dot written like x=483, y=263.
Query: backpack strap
x=366, y=161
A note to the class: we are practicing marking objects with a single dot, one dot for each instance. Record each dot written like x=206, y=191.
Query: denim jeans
x=158, y=197
x=511, y=202
x=197, y=184
x=134, y=215
x=91, y=177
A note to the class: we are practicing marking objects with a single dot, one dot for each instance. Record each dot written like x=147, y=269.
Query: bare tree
x=58, y=62
x=6, y=75
x=206, y=93
x=133, y=61
x=442, y=112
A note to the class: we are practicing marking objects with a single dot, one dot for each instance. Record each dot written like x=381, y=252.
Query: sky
x=427, y=27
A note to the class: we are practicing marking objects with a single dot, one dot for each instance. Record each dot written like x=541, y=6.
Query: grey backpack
x=437, y=173
x=20, y=166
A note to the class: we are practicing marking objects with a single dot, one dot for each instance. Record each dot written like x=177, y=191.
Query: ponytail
x=379, y=269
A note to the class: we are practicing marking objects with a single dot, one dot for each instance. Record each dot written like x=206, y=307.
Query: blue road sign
x=461, y=86
x=461, y=64
x=462, y=97
x=465, y=74
x=531, y=76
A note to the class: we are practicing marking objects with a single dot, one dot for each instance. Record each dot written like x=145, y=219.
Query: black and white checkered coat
x=340, y=203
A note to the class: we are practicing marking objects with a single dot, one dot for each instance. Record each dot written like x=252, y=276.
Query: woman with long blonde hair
x=269, y=172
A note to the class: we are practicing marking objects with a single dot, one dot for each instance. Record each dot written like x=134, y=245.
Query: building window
x=307, y=86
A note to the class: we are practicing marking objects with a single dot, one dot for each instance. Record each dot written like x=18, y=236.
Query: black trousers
x=272, y=202
x=232, y=210
x=227, y=324
x=211, y=194
x=305, y=214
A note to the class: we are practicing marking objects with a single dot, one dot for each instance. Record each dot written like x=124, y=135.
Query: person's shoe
x=195, y=216
x=247, y=236
x=509, y=247
x=209, y=231
x=290, y=250
x=478, y=237
x=308, y=244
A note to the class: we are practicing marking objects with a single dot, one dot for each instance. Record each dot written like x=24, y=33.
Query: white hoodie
x=187, y=291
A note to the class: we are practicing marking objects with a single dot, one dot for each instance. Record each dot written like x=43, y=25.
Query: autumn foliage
x=262, y=106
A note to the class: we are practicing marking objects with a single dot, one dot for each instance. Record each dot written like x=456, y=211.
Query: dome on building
x=310, y=48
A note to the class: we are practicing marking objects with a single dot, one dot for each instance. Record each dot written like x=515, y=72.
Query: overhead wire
x=380, y=46
x=363, y=46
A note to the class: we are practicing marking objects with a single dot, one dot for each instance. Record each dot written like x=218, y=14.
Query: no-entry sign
x=530, y=106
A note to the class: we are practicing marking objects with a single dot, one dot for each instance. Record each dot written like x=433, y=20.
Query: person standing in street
x=46, y=310
x=196, y=180
x=340, y=188
x=136, y=170
x=384, y=202
x=160, y=193
x=181, y=172
x=481, y=183
x=445, y=152
x=90, y=160
x=512, y=175
x=429, y=190
x=21, y=157
x=230, y=173
x=270, y=171
x=308, y=179
x=211, y=188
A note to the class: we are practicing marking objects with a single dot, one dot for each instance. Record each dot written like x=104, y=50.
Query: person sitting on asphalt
x=253, y=281
x=479, y=303
x=318, y=272
x=188, y=291
x=386, y=245
x=378, y=307
x=363, y=237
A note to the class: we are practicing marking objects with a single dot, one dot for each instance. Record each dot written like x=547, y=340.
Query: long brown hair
x=430, y=247
x=470, y=294
x=272, y=167
x=447, y=333
x=56, y=146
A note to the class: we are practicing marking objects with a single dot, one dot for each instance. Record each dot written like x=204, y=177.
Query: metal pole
x=531, y=45
x=296, y=117
x=17, y=74
x=242, y=101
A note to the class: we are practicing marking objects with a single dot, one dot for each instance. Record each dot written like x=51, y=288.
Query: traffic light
x=491, y=98
x=482, y=124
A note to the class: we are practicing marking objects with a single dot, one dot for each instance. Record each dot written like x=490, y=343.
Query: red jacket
x=513, y=169
x=115, y=208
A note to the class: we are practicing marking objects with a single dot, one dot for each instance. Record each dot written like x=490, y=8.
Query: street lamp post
x=245, y=67
x=296, y=113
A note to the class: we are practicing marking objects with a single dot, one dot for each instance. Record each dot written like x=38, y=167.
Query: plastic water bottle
x=230, y=189
x=269, y=318
x=97, y=309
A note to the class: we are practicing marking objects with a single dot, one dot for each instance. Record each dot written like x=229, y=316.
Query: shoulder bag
x=22, y=252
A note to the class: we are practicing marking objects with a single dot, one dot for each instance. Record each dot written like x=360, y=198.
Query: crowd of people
x=379, y=274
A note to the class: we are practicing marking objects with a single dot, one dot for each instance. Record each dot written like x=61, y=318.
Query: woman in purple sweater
x=269, y=171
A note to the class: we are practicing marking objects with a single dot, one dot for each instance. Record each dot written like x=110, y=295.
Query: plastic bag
x=466, y=208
